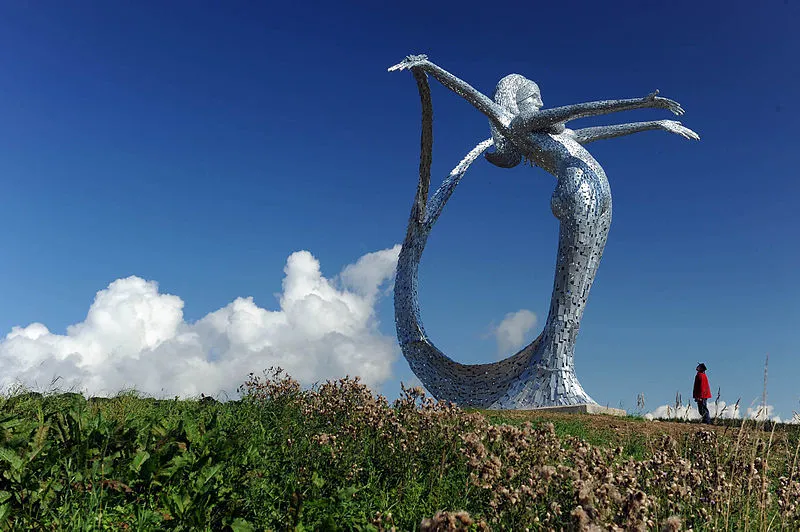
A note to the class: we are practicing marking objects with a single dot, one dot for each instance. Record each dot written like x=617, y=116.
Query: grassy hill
x=339, y=458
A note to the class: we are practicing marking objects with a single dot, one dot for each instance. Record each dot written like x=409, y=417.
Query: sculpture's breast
x=542, y=149
x=555, y=151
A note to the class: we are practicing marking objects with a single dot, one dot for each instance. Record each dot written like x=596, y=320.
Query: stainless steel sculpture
x=541, y=374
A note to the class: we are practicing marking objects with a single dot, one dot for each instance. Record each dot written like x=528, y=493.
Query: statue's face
x=531, y=103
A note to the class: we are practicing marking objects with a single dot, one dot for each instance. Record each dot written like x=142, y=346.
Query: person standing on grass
x=702, y=392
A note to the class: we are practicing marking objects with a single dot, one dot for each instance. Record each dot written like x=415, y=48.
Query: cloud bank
x=512, y=331
x=721, y=410
x=134, y=336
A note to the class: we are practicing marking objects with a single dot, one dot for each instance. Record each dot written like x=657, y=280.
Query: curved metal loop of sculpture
x=542, y=373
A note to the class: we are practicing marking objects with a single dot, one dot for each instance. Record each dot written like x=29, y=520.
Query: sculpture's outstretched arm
x=483, y=103
x=529, y=121
x=590, y=134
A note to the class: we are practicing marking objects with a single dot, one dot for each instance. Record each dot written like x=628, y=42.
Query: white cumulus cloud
x=512, y=331
x=134, y=336
x=720, y=410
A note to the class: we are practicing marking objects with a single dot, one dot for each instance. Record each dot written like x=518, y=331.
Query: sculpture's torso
x=555, y=153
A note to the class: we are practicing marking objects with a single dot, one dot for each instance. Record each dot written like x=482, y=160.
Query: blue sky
x=199, y=146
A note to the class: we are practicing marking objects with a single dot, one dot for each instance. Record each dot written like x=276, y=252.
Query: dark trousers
x=702, y=408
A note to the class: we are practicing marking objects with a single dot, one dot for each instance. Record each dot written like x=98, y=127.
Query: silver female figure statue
x=542, y=373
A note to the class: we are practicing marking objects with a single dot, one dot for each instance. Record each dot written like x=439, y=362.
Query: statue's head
x=517, y=93
x=528, y=97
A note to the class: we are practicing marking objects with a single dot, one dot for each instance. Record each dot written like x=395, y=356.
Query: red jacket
x=701, y=388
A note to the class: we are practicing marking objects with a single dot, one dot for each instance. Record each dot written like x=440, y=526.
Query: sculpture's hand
x=679, y=129
x=410, y=61
x=664, y=103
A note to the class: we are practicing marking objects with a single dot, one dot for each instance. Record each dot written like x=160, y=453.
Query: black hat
x=701, y=366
